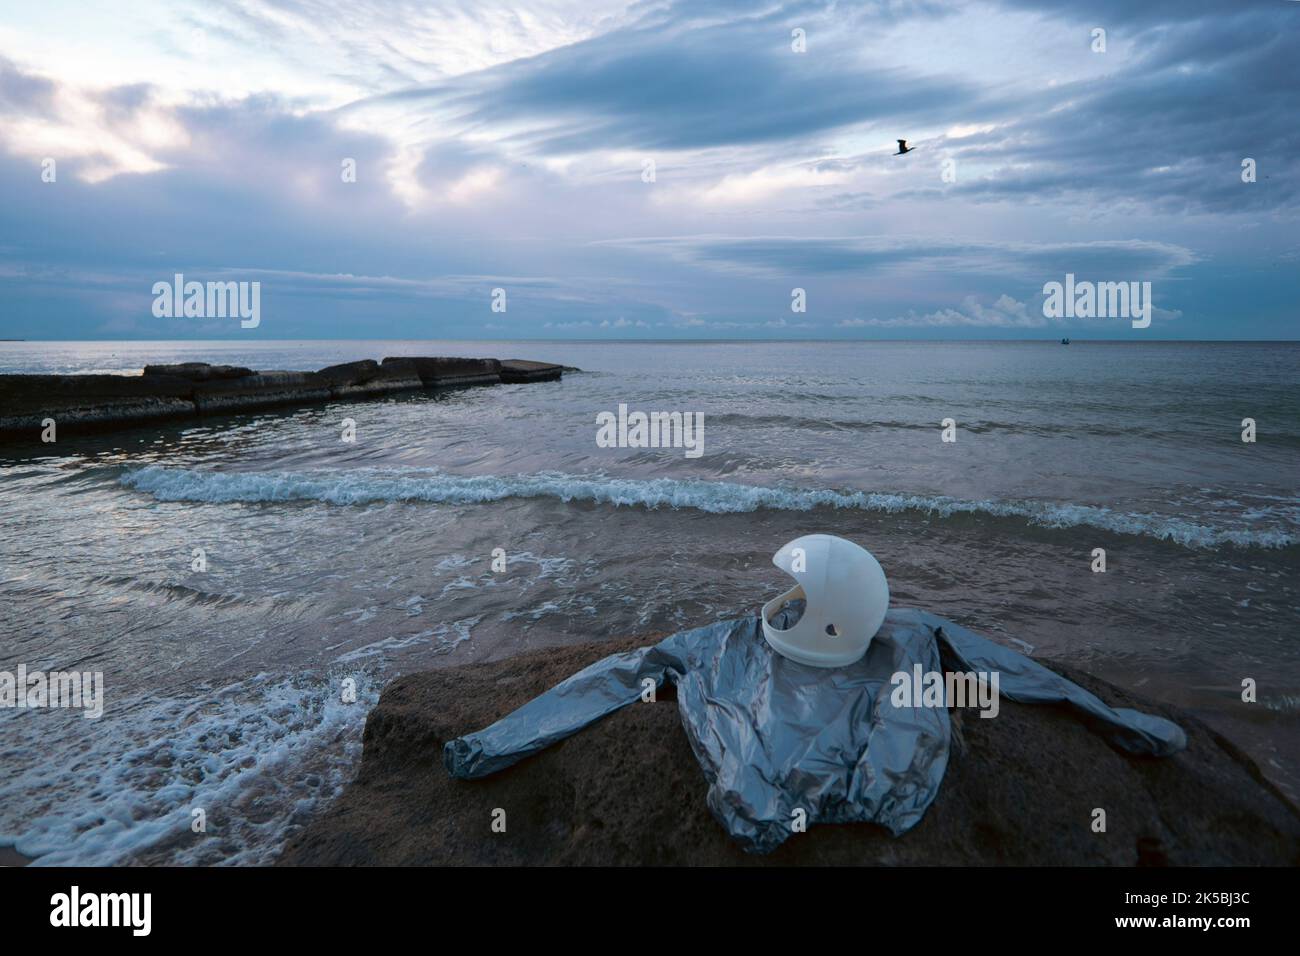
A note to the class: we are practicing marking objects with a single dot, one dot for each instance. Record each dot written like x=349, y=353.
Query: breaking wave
x=369, y=486
x=257, y=756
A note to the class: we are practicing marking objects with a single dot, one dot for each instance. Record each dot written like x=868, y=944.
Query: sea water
x=484, y=522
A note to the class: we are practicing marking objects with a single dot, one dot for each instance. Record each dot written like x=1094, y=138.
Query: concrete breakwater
x=28, y=403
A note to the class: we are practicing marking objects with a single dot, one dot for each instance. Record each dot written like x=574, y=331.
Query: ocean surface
x=329, y=561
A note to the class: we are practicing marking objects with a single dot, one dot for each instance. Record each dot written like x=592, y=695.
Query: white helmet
x=847, y=598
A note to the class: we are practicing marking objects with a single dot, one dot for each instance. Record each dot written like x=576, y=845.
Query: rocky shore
x=1019, y=790
x=78, y=403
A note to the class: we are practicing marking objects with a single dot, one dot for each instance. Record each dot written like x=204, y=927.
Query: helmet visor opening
x=784, y=610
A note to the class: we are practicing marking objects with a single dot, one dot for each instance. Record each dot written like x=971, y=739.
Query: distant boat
x=1065, y=341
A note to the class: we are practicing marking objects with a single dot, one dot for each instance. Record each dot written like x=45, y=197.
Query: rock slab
x=445, y=372
x=188, y=389
x=259, y=390
x=523, y=370
x=1020, y=790
x=90, y=400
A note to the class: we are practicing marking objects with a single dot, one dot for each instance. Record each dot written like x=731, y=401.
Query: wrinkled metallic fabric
x=773, y=736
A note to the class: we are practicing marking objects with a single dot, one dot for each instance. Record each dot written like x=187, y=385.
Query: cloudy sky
x=509, y=145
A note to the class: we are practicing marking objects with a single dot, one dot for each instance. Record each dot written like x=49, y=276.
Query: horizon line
x=682, y=341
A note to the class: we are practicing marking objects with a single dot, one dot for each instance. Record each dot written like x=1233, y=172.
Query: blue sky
x=503, y=145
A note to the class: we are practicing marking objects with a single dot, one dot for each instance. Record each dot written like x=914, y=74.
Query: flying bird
x=903, y=147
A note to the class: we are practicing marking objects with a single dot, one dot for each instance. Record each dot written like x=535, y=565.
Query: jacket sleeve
x=1023, y=680
x=587, y=696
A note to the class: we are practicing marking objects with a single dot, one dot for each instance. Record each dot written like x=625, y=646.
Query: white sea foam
x=384, y=646
x=547, y=567
x=368, y=486
x=255, y=755
x=449, y=635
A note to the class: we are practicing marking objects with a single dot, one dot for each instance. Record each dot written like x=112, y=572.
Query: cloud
x=690, y=79
x=795, y=256
x=502, y=146
x=23, y=93
x=1190, y=94
x=94, y=134
x=1004, y=313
